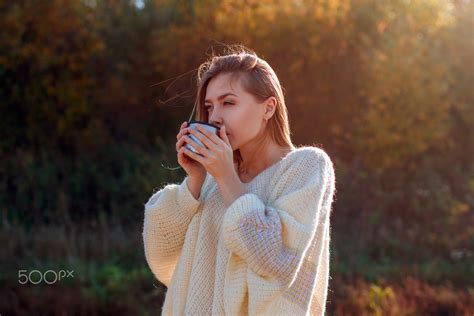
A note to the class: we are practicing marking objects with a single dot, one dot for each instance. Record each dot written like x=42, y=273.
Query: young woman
x=248, y=229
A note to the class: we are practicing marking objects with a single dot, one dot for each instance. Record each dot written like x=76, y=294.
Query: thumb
x=223, y=133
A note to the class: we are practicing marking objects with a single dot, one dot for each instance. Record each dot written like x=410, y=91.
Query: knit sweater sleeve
x=273, y=238
x=168, y=214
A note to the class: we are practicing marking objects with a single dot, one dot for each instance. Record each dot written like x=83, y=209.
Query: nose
x=215, y=119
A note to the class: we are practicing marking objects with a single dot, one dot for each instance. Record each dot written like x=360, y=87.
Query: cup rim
x=204, y=123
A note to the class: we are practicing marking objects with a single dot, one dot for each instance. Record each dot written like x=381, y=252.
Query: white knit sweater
x=266, y=254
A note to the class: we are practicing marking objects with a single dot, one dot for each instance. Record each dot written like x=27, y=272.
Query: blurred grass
x=111, y=276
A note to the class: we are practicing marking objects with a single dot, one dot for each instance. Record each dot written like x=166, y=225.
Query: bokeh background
x=92, y=94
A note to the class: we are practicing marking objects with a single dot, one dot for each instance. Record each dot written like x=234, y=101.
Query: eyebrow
x=221, y=97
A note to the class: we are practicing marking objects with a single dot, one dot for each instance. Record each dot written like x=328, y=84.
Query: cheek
x=240, y=137
x=244, y=118
x=244, y=125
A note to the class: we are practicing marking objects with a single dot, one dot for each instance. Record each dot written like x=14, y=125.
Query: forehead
x=224, y=83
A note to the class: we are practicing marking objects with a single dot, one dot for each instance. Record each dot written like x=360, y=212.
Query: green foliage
x=379, y=297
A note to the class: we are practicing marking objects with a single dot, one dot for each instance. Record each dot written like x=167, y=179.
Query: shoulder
x=309, y=157
x=305, y=169
x=304, y=165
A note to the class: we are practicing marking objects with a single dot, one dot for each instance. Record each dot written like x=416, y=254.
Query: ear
x=270, y=107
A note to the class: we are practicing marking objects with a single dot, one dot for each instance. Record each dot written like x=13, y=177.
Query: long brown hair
x=257, y=78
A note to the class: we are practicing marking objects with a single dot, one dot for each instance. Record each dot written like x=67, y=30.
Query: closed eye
x=209, y=106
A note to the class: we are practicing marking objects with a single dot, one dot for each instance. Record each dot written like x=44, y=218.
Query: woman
x=248, y=229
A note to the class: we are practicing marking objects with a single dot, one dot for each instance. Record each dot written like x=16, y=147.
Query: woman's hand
x=193, y=168
x=218, y=157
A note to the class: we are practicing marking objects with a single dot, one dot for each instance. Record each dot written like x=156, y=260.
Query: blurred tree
x=93, y=92
x=45, y=80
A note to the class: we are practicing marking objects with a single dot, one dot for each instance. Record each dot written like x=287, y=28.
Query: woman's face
x=227, y=104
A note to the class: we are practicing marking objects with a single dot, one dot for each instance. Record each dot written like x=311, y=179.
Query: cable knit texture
x=266, y=254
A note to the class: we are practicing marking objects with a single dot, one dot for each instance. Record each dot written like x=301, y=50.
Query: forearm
x=167, y=216
x=194, y=186
x=231, y=188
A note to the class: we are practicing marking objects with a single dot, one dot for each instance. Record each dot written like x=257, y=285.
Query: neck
x=257, y=157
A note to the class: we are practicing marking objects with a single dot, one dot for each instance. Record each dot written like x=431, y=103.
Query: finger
x=182, y=132
x=193, y=155
x=206, y=137
x=211, y=135
x=181, y=152
x=223, y=134
x=199, y=148
x=182, y=126
x=179, y=144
